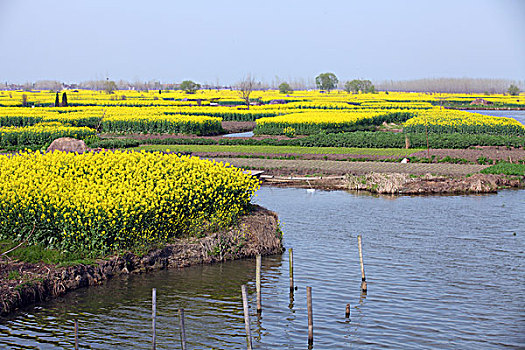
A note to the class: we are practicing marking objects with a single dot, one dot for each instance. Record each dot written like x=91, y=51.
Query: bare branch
x=21, y=243
x=246, y=86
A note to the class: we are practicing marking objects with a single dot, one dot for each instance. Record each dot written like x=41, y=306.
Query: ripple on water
x=442, y=272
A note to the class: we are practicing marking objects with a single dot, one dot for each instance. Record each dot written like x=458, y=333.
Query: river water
x=518, y=115
x=443, y=272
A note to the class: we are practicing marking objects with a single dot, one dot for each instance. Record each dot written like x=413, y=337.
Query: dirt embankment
x=256, y=233
x=432, y=184
x=400, y=184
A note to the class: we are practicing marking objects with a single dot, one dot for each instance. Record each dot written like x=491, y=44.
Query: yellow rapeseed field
x=110, y=200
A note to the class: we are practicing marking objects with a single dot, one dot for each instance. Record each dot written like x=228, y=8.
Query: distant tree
x=513, y=90
x=64, y=100
x=57, y=100
x=365, y=86
x=246, y=86
x=353, y=86
x=326, y=81
x=189, y=86
x=110, y=86
x=284, y=88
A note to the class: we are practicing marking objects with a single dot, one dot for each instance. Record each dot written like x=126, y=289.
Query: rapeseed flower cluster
x=453, y=121
x=111, y=200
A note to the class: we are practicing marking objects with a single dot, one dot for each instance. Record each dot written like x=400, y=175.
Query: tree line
x=324, y=81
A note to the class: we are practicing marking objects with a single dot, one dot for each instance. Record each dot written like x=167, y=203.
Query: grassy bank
x=506, y=169
x=398, y=152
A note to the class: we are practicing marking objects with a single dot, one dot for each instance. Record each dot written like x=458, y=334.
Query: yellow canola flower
x=109, y=200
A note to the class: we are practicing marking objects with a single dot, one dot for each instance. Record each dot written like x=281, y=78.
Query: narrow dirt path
x=344, y=167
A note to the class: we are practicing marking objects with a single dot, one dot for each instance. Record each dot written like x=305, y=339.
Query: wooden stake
x=363, y=286
x=182, y=329
x=76, y=334
x=347, y=312
x=258, y=263
x=246, y=317
x=363, y=277
x=310, y=316
x=154, y=317
x=291, y=269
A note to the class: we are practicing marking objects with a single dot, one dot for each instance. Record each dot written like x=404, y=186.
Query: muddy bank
x=433, y=184
x=400, y=184
x=256, y=233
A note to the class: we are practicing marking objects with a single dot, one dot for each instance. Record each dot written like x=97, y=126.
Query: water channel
x=518, y=115
x=443, y=272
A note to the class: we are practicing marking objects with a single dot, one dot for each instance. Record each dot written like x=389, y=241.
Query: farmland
x=176, y=113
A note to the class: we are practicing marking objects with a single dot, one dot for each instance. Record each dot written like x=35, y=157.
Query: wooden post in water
x=76, y=334
x=246, y=317
x=154, y=317
x=310, y=315
x=291, y=269
x=347, y=312
x=182, y=329
x=363, y=277
x=258, y=264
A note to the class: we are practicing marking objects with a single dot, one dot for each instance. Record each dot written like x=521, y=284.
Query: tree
x=57, y=100
x=284, y=88
x=365, y=86
x=352, y=86
x=189, y=86
x=513, y=90
x=326, y=81
x=64, y=100
x=110, y=86
x=246, y=86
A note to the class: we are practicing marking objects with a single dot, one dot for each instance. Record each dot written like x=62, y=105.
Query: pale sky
x=210, y=41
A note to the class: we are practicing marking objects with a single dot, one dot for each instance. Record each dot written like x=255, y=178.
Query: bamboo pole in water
x=246, y=317
x=310, y=315
x=76, y=334
x=363, y=277
x=347, y=312
x=258, y=281
x=182, y=329
x=154, y=317
x=291, y=269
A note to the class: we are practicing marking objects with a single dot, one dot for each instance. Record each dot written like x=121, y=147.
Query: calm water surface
x=240, y=134
x=443, y=272
x=518, y=115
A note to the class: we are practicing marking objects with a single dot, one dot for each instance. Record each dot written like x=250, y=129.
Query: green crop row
x=506, y=168
x=359, y=139
x=241, y=116
x=11, y=136
x=160, y=126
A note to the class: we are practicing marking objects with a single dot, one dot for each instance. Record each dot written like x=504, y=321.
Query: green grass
x=36, y=253
x=13, y=275
x=506, y=169
x=280, y=149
